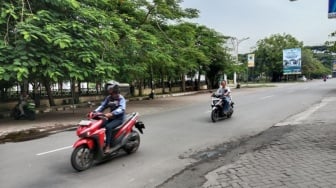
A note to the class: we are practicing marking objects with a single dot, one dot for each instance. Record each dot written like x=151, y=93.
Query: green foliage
x=311, y=66
x=269, y=57
x=127, y=40
x=269, y=54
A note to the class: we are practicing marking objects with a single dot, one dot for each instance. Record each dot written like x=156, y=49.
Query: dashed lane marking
x=55, y=150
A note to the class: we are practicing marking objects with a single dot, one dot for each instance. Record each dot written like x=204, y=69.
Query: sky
x=306, y=20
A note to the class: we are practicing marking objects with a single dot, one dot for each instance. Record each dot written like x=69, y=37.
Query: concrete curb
x=33, y=133
x=7, y=114
x=168, y=95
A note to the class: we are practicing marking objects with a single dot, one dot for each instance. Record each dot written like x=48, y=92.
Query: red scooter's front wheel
x=81, y=158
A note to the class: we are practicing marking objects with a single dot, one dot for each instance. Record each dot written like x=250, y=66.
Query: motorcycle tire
x=133, y=143
x=30, y=115
x=16, y=114
x=214, y=115
x=82, y=158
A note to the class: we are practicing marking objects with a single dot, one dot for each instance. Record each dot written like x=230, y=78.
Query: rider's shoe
x=107, y=150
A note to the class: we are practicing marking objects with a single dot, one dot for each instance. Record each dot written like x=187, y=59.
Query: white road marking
x=267, y=97
x=55, y=150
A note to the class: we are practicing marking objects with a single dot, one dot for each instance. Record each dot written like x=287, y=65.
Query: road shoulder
x=300, y=152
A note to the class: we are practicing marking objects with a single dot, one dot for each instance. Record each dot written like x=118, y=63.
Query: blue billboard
x=292, y=61
x=332, y=9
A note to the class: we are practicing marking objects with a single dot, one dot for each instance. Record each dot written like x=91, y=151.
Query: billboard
x=250, y=60
x=332, y=9
x=334, y=66
x=292, y=61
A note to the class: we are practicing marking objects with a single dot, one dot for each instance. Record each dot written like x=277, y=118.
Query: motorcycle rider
x=117, y=104
x=224, y=93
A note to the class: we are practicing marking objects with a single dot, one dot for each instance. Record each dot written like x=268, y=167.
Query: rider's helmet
x=112, y=87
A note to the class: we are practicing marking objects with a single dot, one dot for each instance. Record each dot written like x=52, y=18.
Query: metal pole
x=236, y=43
x=247, y=79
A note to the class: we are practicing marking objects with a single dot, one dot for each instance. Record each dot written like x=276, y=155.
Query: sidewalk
x=302, y=157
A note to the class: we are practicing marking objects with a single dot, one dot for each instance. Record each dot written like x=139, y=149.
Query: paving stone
x=305, y=157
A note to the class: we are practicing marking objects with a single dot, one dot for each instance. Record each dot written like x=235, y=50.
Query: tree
x=46, y=42
x=55, y=40
x=311, y=66
x=269, y=54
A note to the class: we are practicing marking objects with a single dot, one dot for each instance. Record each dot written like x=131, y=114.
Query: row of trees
x=133, y=41
x=269, y=53
x=47, y=41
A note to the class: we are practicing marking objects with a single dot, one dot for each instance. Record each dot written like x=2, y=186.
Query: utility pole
x=235, y=43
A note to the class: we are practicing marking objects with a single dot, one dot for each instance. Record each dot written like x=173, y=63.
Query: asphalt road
x=171, y=136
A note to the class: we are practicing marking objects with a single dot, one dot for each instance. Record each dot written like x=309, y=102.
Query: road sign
x=250, y=60
x=332, y=9
x=292, y=61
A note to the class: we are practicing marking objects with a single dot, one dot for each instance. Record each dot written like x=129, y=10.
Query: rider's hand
x=109, y=115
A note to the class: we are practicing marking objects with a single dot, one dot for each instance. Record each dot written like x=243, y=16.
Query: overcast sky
x=307, y=20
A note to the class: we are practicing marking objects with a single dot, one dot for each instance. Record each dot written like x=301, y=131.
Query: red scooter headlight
x=85, y=134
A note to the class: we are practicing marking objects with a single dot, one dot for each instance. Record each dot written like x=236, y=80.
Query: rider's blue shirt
x=117, y=106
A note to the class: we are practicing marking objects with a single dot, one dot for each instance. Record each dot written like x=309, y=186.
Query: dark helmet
x=112, y=87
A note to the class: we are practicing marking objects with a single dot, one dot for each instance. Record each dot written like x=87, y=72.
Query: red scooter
x=91, y=143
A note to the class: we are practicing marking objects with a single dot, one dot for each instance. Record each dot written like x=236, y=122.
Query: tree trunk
x=3, y=92
x=25, y=87
x=60, y=87
x=36, y=94
x=170, y=85
x=198, y=87
x=79, y=88
x=163, y=84
x=140, y=87
x=183, y=86
x=97, y=87
x=46, y=83
x=75, y=92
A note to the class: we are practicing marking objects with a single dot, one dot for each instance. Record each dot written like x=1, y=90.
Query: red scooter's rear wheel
x=133, y=143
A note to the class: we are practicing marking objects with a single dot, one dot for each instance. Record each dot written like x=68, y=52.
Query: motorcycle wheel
x=15, y=114
x=214, y=115
x=30, y=114
x=133, y=143
x=229, y=115
x=81, y=158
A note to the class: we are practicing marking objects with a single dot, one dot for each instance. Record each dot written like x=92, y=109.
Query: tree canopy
x=133, y=41
x=50, y=41
x=269, y=55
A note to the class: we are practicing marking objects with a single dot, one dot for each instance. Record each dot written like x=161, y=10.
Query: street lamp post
x=235, y=42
